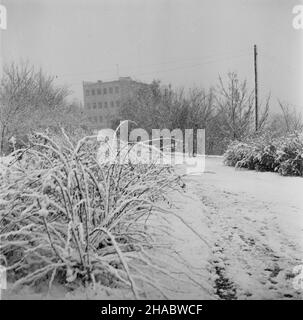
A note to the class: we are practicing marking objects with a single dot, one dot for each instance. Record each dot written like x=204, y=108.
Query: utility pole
x=256, y=88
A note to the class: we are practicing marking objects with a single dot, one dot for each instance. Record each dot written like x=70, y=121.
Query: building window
x=110, y=90
x=104, y=91
x=117, y=103
x=90, y=119
x=93, y=92
x=112, y=104
x=116, y=89
x=100, y=118
x=94, y=105
x=87, y=92
x=98, y=91
x=100, y=105
x=88, y=105
x=95, y=119
x=105, y=104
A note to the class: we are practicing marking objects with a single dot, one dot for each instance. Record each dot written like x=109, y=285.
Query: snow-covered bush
x=290, y=155
x=236, y=152
x=283, y=154
x=66, y=217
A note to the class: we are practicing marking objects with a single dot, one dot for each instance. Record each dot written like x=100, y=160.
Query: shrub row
x=283, y=155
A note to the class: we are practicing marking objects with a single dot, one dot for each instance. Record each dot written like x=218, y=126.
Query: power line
x=194, y=65
x=180, y=68
x=132, y=67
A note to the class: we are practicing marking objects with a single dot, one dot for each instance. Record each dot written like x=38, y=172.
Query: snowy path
x=256, y=223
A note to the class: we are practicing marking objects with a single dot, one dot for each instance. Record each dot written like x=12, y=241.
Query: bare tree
x=264, y=113
x=30, y=100
x=235, y=107
x=201, y=107
x=289, y=120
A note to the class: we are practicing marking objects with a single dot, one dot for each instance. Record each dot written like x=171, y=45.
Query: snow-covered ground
x=256, y=225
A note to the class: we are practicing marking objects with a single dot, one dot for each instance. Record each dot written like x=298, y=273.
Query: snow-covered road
x=255, y=221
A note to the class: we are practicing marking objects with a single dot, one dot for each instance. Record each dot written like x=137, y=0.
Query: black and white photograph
x=151, y=150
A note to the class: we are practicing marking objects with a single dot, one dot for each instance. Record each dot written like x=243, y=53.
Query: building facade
x=102, y=100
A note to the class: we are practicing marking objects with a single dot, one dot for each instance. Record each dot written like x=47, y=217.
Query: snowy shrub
x=290, y=156
x=236, y=152
x=66, y=217
x=283, y=154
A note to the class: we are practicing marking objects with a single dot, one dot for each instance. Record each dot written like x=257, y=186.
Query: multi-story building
x=102, y=100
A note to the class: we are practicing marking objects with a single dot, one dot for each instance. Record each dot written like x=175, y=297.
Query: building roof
x=119, y=80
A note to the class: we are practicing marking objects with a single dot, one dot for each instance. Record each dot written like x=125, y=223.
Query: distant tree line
x=31, y=101
x=225, y=111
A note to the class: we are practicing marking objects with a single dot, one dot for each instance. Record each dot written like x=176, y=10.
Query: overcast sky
x=185, y=43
